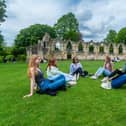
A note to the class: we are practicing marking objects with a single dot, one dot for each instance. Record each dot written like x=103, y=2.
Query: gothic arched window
x=80, y=47
x=91, y=49
x=111, y=49
x=120, y=49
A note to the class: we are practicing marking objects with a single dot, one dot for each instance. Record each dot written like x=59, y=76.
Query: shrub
x=21, y=57
x=9, y=58
x=1, y=59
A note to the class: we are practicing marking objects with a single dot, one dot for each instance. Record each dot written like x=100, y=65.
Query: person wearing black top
x=37, y=79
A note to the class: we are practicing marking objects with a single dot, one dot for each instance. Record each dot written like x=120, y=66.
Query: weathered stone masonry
x=68, y=49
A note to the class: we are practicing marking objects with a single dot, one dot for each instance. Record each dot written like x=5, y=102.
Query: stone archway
x=80, y=47
x=120, y=49
x=69, y=50
x=101, y=49
x=111, y=49
x=91, y=49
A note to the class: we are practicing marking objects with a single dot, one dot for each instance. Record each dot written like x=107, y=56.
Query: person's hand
x=29, y=95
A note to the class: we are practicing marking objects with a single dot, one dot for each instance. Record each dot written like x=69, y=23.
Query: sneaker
x=74, y=78
x=106, y=85
x=72, y=82
x=105, y=79
x=90, y=74
x=94, y=77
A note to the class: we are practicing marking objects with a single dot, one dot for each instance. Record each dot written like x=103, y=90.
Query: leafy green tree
x=66, y=26
x=21, y=57
x=2, y=10
x=121, y=36
x=1, y=59
x=111, y=36
x=72, y=35
x=1, y=40
x=2, y=52
x=5, y=51
x=18, y=51
x=9, y=57
x=2, y=19
x=32, y=34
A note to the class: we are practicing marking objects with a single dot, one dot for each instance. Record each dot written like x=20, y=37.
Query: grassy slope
x=85, y=104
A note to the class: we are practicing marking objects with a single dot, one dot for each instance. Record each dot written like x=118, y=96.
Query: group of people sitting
x=57, y=80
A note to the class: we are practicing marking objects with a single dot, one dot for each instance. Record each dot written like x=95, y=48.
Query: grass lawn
x=85, y=104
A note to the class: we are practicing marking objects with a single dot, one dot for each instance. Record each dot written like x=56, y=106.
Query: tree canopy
x=2, y=11
x=67, y=27
x=31, y=35
x=2, y=19
x=115, y=37
x=72, y=35
x=121, y=36
x=1, y=40
x=111, y=36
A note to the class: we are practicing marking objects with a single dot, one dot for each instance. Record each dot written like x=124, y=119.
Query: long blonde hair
x=32, y=64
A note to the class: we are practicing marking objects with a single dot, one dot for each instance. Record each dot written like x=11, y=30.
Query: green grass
x=85, y=104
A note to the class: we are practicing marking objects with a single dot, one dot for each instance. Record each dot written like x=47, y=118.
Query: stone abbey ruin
x=66, y=49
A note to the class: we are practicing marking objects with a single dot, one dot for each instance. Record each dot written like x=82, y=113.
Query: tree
x=121, y=36
x=18, y=51
x=2, y=19
x=1, y=40
x=31, y=35
x=2, y=11
x=111, y=36
x=66, y=26
x=1, y=44
x=72, y=35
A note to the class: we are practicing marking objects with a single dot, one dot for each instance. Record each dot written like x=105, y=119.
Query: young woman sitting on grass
x=115, y=74
x=76, y=68
x=37, y=79
x=116, y=79
x=105, y=70
x=53, y=72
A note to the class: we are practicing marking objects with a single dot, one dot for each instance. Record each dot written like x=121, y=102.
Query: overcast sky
x=96, y=17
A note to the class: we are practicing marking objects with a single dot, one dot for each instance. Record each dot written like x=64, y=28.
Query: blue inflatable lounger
x=118, y=82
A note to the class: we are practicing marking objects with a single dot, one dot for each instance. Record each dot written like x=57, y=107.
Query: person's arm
x=71, y=69
x=112, y=66
x=104, y=65
x=32, y=84
x=54, y=70
x=80, y=65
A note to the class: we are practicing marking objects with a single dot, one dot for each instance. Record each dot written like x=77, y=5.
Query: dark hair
x=75, y=59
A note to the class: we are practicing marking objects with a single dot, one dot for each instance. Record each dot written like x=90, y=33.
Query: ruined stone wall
x=84, y=50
